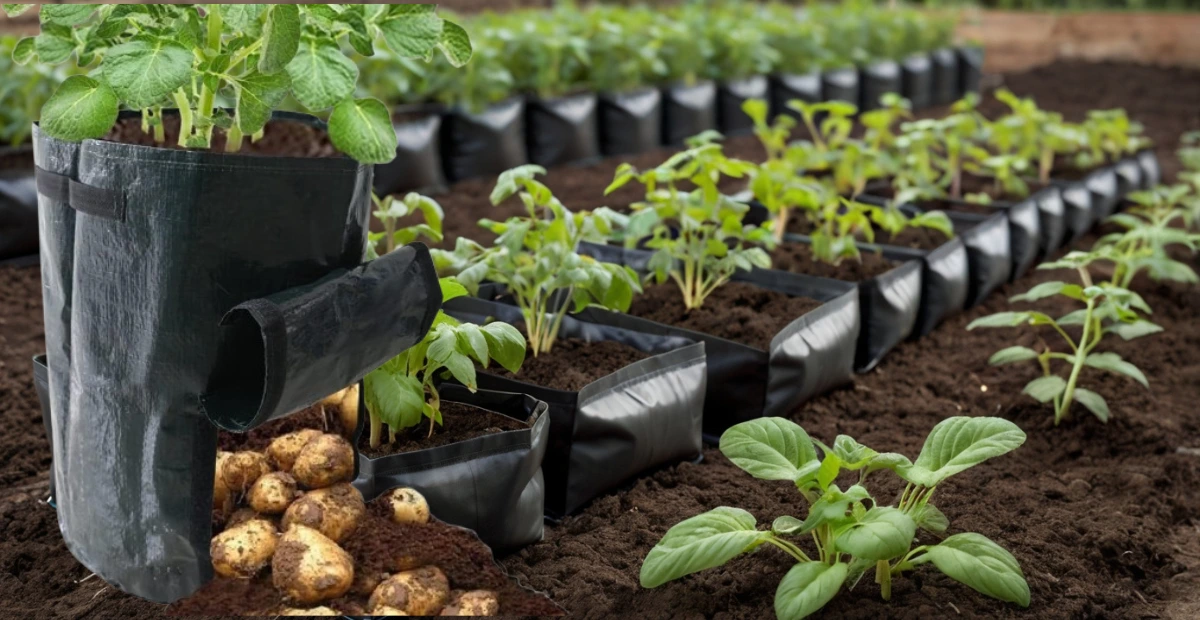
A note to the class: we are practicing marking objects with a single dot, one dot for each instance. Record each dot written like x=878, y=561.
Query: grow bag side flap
x=287, y=351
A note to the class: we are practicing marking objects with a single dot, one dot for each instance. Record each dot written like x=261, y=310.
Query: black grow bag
x=878, y=79
x=1151, y=170
x=1024, y=231
x=731, y=94
x=970, y=69
x=1078, y=214
x=491, y=484
x=644, y=416
x=485, y=143
x=562, y=130
x=418, y=162
x=812, y=355
x=945, y=76
x=841, y=85
x=785, y=87
x=916, y=73
x=18, y=215
x=630, y=123
x=146, y=251
x=41, y=383
x=1129, y=176
x=687, y=111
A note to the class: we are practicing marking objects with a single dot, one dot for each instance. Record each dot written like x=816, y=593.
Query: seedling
x=1149, y=229
x=776, y=183
x=391, y=212
x=851, y=532
x=838, y=222
x=547, y=57
x=149, y=56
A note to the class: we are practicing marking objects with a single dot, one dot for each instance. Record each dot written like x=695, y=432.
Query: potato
x=242, y=515
x=285, y=448
x=388, y=611
x=220, y=489
x=241, y=469
x=365, y=583
x=273, y=493
x=406, y=505
x=473, y=603
x=420, y=592
x=309, y=568
x=348, y=409
x=315, y=611
x=243, y=550
x=334, y=512
x=324, y=461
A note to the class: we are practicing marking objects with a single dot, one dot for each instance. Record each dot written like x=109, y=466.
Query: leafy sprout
x=391, y=211
x=1151, y=226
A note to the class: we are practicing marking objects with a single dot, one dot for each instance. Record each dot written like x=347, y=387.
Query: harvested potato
x=334, y=511
x=309, y=568
x=406, y=505
x=420, y=592
x=273, y=493
x=315, y=611
x=242, y=515
x=473, y=603
x=388, y=611
x=243, y=550
x=241, y=469
x=285, y=448
x=324, y=461
x=349, y=409
x=220, y=489
x=365, y=583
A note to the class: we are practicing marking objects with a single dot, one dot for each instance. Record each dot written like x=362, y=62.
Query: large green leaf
x=81, y=108
x=67, y=14
x=983, y=565
x=1136, y=329
x=959, y=443
x=244, y=18
x=808, y=587
x=362, y=129
x=257, y=95
x=471, y=340
x=462, y=369
x=1012, y=355
x=145, y=71
x=321, y=74
x=281, y=38
x=55, y=44
x=699, y=543
x=883, y=533
x=506, y=345
x=1115, y=363
x=456, y=44
x=769, y=448
x=412, y=30
x=395, y=398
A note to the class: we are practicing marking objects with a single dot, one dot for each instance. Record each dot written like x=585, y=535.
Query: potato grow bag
x=1078, y=215
x=786, y=87
x=561, y=130
x=916, y=74
x=491, y=484
x=1024, y=230
x=945, y=76
x=1151, y=171
x=810, y=356
x=970, y=69
x=630, y=123
x=41, y=384
x=731, y=94
x=1129, y=176
x=687, y=111
x=418, y=162
x=878, y=79
x=18, y=215
x=186, y=290
x=485, y=143
x=642, y=417
x=841, y=85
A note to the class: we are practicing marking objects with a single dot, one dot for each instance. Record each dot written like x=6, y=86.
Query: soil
x=280, y=139
x=574, y=363
x=736, y=311
x=918, y=238
x=798, y=258
x=459, y=423
x=316, y=417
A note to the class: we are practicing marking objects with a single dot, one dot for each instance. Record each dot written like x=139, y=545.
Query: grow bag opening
x=687, y=111
x=418, y=162
x=630, y=123
x=562, y=131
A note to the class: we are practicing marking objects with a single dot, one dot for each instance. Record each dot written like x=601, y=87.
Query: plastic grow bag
x=731, y=119
x=145, y=251
x=970, y=69
x=486, y=143
x=810, y=356
x=945, y=76
x=687, y=111
x=418, y=163
x=1078, y=214
x=916, y=73
x=1151, y=171
x=1053, y=214
x=644, y=416
x=1129, y=176
x=18, y=215
x=878, y=79
x=1102, y=185
x=630, y=123
x=491, y=484
x=1024, y=232
x=841, y=85
x=786, y=87
x=41, y=383
x=562, y=130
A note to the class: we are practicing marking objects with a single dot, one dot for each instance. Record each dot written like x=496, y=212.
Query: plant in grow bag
x=800, y=43
x=148, y=56
x=698, y=237
x=1033, y=133
x=1108, y=309
x=24, y=88
x=545, y=54
x=1149, y=229
x=776, y=183
x=687, y=55
x=1006, y=172
x=1110, y=136
x=625, y=53
x=839, y=221
x=852, y=163
x=935, y=151
x=740, y=49
x=391, y=211
x=403, y=391
x=850, y=531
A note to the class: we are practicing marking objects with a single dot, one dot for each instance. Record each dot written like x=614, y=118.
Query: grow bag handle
x=80, y=196
x=282, y=353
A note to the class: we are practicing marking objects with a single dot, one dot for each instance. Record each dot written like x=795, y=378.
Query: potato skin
x=220, y=489
x=273, y=493
x=473, y=603
x=406, y=505
x=241, y=469
x=309, y=568
x=245, y=549
x=324, y=461
x=348, y=409
x=285, y=448
x=420, y=592
x=334, y=511
x=315, y=611
x=388, y=611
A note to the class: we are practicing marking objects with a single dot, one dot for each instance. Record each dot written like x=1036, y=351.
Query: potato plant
x=150, y=56
x=391, y=211
x=851, y=532
x=1150, y=227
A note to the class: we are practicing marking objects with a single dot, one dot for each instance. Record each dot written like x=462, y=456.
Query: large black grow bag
x=639, y=418
x=491, y=484
x=917, y=85
x=785, y=87
x=1151, y=170
x=841, y=85
x=1129, y=176
x=731, y=94
x=486, y=143
x=18, y=214
x=1102, y=185
x=561, y=130
x=418, y=162
x=945, y=76
x=687, y=111
x=1053, y=213
x=878, y=79
x=812, y=355
x=1024, y=232
x=970, y=69
x=1078, y=214
x=145, y=252
x=630, y=123
x=945, y=275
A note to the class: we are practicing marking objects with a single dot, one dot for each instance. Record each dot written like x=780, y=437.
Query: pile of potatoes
x=290, y=508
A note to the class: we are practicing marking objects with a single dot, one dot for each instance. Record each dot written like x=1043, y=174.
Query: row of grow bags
x=439, y=145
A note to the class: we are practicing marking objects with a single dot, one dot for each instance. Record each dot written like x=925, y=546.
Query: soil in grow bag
x=418, y=162
x=735, y=311
x=574, y=363
x=459, y=423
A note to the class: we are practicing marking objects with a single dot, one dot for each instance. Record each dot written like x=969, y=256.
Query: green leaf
x=506, y=345
x=787, y=525
x=13, y=10
x=321, y=75
x=884, y=533
x=462, y=368
x=455, y=44
x=244, y=18
x=1136, y=329
x=959, y=443
x=24, y=50
x=451, y=289
x=81, y=108
x=768, y=448
x=362, y=129
x=412, y=30
x=1012, y=355
x=395, y=398
x=471, y=339
x=853, y=454
x=259, y=94
x=55, y=44
x=1049, y=289
x=975, y=561
x=66, y=14
x=146, y=70
x=931, y=519
x=808, y=587
x=699, y=543
x=1046, y=389
x=1093, y=402
x=1115, y=363
x=1000, y=319
x=281, y=38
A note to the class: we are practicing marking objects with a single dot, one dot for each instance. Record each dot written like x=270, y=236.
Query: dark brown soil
x=459, y=423
x=280, y=139
x=798, y=258
x=735, y=311
x=316, y=417
x=573, y=364
x=918, y=238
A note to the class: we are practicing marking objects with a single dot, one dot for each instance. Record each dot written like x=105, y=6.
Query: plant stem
x=185, y=116
x=233, y=142
x=376, y=430
x=790, y=549
x=781, y=222
x=1081, y=354
x=883, y=577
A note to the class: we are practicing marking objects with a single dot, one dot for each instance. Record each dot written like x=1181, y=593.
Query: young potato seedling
x=391, y=211
x=1149, y=229
x=850, y=531
x=777, y=183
